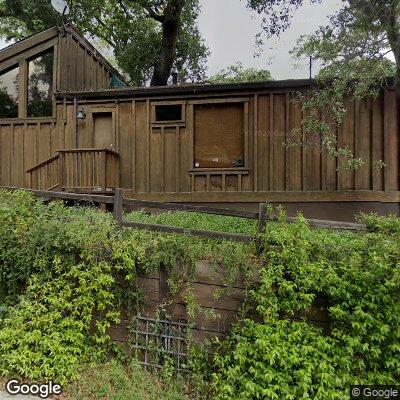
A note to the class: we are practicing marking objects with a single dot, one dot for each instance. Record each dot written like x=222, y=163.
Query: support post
x=118, y=205
x=61, y=171
x=262, y=221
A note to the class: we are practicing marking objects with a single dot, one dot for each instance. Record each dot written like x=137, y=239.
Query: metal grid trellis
x=156, y=342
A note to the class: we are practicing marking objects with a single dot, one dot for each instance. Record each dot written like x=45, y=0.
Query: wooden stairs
x=77, y=170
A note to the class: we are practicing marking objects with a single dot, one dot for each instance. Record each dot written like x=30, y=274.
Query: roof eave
x=294, y=84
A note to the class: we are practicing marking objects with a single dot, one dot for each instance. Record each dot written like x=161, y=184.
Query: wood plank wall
x=79, y=68
x=26, y=143
x=155, y=158
x=218, y=304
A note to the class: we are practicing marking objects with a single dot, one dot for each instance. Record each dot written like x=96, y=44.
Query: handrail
x=43, y=163
x=50, y=160
x=91, y=150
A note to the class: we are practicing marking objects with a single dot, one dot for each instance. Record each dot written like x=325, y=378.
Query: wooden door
x=103, y=130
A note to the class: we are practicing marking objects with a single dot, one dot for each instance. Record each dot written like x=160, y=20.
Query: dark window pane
x=170, y=112
x=40, y=86
x=9, y=94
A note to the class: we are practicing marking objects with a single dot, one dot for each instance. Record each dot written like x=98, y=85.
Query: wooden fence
x=120, y=203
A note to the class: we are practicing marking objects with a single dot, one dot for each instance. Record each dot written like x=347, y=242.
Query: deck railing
x=85, y=170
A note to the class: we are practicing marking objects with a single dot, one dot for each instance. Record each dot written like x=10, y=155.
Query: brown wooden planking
x=391, y=142
x=141, y=132
x=295, y=152
x=170, y=157
x=312, y=165
x=273, y=197
x=346, y=140
x=80, y=72
x=278, y=138
x=18, y=170
x=377, y=143
x=329, y=170
x=362, y=175
x=6, y=149
x=263, y=139
x=156, y=142
x=125, y=143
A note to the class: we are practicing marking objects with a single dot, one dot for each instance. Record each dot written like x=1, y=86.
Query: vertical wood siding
x=79, y=68
x=155, y=158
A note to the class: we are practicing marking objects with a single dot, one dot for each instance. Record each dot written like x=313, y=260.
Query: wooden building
x=186, y=143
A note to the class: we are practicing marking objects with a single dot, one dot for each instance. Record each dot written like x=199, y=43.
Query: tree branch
x=125, y=9
x=150, y=11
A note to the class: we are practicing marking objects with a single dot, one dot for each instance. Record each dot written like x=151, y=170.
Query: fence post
x=118, y=205
x=262, y=220
x=262, y=217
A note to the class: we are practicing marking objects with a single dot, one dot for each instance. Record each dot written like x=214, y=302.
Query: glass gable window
x=9, y=94
x=40, y=86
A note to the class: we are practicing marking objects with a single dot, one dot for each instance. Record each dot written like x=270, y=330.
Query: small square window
x=168, y=112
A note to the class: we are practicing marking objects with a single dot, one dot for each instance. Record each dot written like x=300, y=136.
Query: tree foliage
x=148, y=37
x=237, y=73
x=352, y=50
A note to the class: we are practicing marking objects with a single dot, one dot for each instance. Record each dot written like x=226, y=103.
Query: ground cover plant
x=193, y=220
x=114, y=380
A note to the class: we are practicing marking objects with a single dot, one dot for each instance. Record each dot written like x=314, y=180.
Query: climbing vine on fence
x=280, y=357
x=60, y=266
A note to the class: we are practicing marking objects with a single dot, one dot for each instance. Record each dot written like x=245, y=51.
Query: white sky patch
x=230, y=30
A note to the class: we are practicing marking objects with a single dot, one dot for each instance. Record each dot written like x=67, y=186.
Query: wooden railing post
x=103, y=164
x=118, y=205
x=61, y=170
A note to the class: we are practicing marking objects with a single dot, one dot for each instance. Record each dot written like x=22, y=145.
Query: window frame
x=181, y=121
x=22, y=63
x=246, y=128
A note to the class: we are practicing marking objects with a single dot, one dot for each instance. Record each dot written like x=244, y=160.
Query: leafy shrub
x=281, y=358
x=61, y=266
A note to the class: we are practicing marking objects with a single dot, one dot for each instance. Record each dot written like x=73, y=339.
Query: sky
x=229, y=30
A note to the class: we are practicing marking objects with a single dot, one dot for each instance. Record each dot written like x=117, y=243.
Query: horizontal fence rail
x=118, y=202
x=189, y=208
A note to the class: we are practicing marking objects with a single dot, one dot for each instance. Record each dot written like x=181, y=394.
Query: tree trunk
x=170, y=34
